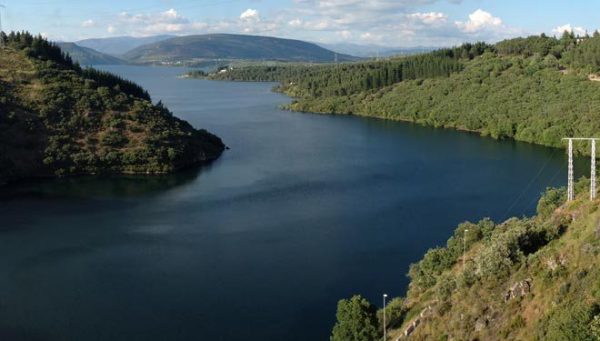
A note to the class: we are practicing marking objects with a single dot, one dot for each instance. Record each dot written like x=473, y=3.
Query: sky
x=391, y=23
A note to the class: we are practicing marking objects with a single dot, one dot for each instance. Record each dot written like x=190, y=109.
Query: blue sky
x=381, y=22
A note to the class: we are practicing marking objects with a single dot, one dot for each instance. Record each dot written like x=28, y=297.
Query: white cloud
x=580, y=31
x=370, y=38
x=111, y=29
x=88, y=23
x=295, y=23
x=250, y=15
x=479, y=20
x=345, y=34
x=429, y=18
x=171, y=14
x=393, y=22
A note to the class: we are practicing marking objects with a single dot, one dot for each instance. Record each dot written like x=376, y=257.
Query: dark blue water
x=302, y=211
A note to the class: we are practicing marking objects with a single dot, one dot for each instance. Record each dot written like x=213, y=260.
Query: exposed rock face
x=518, y=290
x=555, y=262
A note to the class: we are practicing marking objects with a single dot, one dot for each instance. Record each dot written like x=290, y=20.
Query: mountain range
x=193, y=49
x=88, y=56
x=117, y=46
x=231, y=47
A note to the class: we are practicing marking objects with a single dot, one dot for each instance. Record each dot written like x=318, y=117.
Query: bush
x=570, y=321
x=424, y=273
x=114, y=139
x=356, y=321
x=550, y=201
x=395, y=311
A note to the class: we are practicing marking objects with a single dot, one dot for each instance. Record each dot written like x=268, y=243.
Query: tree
x=356, y=321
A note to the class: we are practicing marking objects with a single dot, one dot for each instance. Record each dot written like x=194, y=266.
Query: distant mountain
x=118, y=46
x=232, y=47
x=372, y=51
x=87, y=56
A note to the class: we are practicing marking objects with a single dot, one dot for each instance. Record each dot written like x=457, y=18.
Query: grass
x=576, y=278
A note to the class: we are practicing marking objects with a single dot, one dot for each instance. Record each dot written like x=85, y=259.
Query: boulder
x=518, y=290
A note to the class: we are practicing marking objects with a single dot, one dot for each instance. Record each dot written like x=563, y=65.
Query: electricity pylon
x=570, y=180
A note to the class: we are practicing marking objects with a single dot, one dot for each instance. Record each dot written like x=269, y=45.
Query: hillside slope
x=533, y=278
x=87, y=56
x=536, y=89
x=524, y=279
x=117, y=46
x=230, y=46
x=59, y=119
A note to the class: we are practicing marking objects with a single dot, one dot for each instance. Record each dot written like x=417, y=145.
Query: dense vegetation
x=524, y=279
x=57, y=118
x=536, y=89
x=321, y=81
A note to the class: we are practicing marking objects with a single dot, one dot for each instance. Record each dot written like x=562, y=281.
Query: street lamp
x=384, y=326
x=464, y=247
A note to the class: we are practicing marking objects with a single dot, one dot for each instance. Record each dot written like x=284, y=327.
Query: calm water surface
x=302, y=211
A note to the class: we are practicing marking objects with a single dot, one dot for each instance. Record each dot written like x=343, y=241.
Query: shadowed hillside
x=59, y=119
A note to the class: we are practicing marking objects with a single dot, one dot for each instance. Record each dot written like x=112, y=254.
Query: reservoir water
x=302, y=211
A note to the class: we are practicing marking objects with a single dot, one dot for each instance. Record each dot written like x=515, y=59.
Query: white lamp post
x=384, y=326
x=464, y=247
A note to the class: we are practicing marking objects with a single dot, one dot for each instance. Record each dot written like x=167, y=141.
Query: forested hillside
x=57, y=118
x=522, y=279
x=536, y=89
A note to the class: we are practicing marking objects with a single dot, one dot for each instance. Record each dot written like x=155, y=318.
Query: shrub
x=550, y=201
x=570, y=321
x=356, y=321
x=395, y=311
x=114, y=139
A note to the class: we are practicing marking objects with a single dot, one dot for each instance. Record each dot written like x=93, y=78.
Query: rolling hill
x=88, y=56
x=117, y=46
x=231, y=47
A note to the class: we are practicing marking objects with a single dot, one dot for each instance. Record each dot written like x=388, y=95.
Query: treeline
x=534, y=89
x=324, y=80
x=347, y=78
x=107, y=79
x=39, y=48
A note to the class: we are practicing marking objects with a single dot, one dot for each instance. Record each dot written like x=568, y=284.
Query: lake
x=302, y=211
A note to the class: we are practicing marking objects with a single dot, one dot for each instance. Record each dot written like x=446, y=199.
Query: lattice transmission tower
x=570, y=176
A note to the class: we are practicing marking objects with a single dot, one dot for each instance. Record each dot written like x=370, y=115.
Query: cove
x=260, y=245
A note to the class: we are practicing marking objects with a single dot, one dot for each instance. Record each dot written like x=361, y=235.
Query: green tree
x=356, y=321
